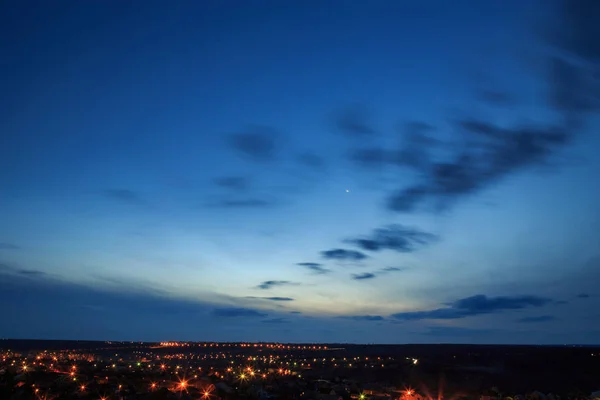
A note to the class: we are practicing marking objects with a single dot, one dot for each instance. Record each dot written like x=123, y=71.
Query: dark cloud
x=482, y=153
x=124, y=196
x=8, y=246
x=315, y=267
x=13, y=270
x=46, y=310
x=475, y=305
x=355, y=121
x=363, y=276
x=233, y=182
x=237, y=312
x=541, y=318
x=394, y=237
x=30, y=272
x=343, y=255
x=311, y=160
x=363, y=317
x=371, y=275
x=258, y=143
x=415, y=128
x=393, y=269
x=497, y=97
x=578, y=32
x=412, y=152
x=275, y=321
x=244, y=203
x=583, y=296
x=53, y=308
x=274, y=298
x=270, y=284
x=455, y=331
x=498, y=153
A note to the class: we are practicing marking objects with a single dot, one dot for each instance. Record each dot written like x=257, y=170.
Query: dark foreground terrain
x=129, y=370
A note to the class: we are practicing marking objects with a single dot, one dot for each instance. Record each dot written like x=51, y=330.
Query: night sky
x=298, y=171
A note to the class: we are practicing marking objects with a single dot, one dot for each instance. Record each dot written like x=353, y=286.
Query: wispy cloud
x=124, y=196
x=394, y=237
x=275, y=321
x=493, y=153
x=273, y=298
x=541, y=318
x=482, y=153
x=371, y=275
x=363, y=317
x=271, y=284
x=8, y=246
x=498, y=98
x=314, y=267
x=393, y=269
x=363, y=276
x=11, y=269
x=244, y=203
x=474, y=305
x=455, y=331
x=258, y=143
x=311, y=160
x=233, y=182
x=235, y=312
x=30, y=272
x=343, y=255
x=355, y=120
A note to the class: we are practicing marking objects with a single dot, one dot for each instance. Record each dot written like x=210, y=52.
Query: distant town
x=46, y=370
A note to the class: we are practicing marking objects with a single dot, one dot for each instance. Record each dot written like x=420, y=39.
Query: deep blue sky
x=382, y=171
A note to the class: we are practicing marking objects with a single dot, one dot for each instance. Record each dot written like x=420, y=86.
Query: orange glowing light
x=82, y=388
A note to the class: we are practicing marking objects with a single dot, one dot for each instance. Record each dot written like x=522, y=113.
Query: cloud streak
x=232, y=182
x=271, y=284
x=343, y=255
x=363, y=276
x=237, y=312
x=315, y=267
x=258, y=144
x=124, y=196
x=474, y=305
x=355, y=121
x=394, y=237
x=482, y=153
x=541, y=318
x=371, y=318
x=244, y=203
x=273, y=298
